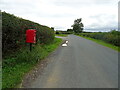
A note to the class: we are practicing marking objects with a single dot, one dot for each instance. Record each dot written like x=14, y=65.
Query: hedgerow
x=13, y=32
x=112, y=37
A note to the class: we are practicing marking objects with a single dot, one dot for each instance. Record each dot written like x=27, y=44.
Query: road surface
x=82, y=64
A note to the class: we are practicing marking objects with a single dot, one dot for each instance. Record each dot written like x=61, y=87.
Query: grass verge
x=62, y=35
x=14, y=68
x=102, y=43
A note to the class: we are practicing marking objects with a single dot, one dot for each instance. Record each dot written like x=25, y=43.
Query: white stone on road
x=66, y=41
x=64, y=45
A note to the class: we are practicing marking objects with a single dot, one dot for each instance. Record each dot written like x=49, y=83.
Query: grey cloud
x=55, y=15
x=104, y=1
x=83, y=3
x=59, y=28
x=119, y=16
x=17, y=6
x=28, y=8
x=70, y=3
x=103, y=17
x=101, y=22
x=98, y=26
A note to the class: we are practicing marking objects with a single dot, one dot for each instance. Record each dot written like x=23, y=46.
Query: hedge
x=112, y=37
x=13, y=32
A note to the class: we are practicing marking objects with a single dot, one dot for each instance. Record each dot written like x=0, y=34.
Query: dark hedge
x=13, y=32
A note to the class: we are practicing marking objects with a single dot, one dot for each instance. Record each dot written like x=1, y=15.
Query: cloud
x=62, y=13
x=119, y=16
x=83, y=3
x=104, y=21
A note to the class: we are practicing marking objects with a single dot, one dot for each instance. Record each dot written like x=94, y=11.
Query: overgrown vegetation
x=13, y=32
x=17, y=58
x=112, y=37
x=14, y=68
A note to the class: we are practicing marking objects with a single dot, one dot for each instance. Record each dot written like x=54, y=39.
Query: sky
x=97, y=15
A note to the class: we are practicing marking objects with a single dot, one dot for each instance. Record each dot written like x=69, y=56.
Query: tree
x=69, y=30
x=52, y=28
x=57, y=32
x=78, y=26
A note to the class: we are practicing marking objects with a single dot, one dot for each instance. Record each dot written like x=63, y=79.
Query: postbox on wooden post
x=31, y=37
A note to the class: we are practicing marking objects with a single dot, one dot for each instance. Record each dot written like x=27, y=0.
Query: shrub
x=13, y=32
x=57, y=32
x=112, y=37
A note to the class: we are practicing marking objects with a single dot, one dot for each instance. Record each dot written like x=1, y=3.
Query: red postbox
x=31, y=36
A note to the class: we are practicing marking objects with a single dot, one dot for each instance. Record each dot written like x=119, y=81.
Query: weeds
x=14, y=68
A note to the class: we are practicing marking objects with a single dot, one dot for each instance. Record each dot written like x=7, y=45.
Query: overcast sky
x=60, y=14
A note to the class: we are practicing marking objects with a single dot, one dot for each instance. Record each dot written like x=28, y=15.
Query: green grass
x=62, y=35
x=102, y=43
x=14, y=68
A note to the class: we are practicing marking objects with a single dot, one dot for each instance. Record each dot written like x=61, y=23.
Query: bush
x=112, y=37
x=13, y=34
x=63, y=32
x=57, y=32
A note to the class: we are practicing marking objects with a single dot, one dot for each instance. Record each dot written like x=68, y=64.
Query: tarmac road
x=82, y=64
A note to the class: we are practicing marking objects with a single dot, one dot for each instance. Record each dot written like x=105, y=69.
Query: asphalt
x=82, y=64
